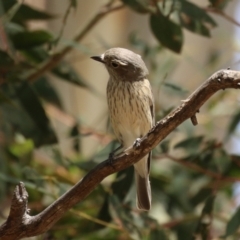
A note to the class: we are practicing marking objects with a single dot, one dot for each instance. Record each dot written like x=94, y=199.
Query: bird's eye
x=114, y=64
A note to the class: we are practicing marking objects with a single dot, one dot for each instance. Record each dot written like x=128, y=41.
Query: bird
x=131, y=109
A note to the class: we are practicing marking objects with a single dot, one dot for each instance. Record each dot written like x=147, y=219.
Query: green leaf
x=120, y=188
x=164, y=146
x=10, y=70
x=168, y=33
x=25, y=40
x=123, y=215
x=5, y=6
x=221, y=4
x=4, y=98
x=33, y=106
x=63, y=70
x=21, y=149
x=5, y=61
x=175, y=88
x=46, y=90
x=233, y=224
x=26, y=13
x=208, y=207
x=67, y=73
x=195, y=19
x=190, y=143
x=140, y=6
x=201, y=196
x=11, y=12
x=74, y=133
x=158, y=234
x=203, y=227
x=233, y=123
x=36, y=55
x=74, y=3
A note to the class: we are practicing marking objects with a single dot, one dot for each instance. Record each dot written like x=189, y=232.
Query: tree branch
x=20, y=224
x=57, y=57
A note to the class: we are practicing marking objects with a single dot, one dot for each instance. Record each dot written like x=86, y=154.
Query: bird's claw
x=111, y=158
x=137, y=143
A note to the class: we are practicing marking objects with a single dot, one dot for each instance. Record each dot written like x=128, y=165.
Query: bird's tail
x=143, y=184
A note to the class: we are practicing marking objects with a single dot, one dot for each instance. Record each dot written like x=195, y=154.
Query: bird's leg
x=111, y=154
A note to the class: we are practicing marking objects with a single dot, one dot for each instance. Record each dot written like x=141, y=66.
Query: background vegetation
x=192, y=173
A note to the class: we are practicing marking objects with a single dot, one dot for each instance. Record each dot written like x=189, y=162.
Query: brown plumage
x=131, y=108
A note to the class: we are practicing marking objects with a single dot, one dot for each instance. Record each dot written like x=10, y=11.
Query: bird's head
x=123, y=64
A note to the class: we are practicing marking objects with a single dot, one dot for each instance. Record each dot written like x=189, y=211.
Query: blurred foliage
x=192, y=190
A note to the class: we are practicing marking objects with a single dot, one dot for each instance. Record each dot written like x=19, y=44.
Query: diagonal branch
x=26, y=225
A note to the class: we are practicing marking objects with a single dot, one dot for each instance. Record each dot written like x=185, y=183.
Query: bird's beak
x=98, y=58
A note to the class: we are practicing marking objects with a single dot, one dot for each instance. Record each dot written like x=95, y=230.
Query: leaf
x=5, y=6
x=164, y=146
x=233, y=123
x=67, y=73
x=120, y=188
x=123, y=216
x=26, y=13
x=233, y=224
x=21, y=149
x=63, y=70
x=74, y=133
x=25, y=40
x=221, y=4
x=46, y=90
x=168, y=33
x=175, y=88
x=208, y=207
x=140, y=6
x=32, y=105
x=203, y=227
x=190, y=143
x=4, y=98
x=158, y=234
x=195, y=19
x=11, y=12
x=74, y=3
x=201, y=196
x=6, y=62
x=36, y=55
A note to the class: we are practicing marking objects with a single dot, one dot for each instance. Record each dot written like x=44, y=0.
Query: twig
x=224, y=15
x=64, y=21
x=57, y=57
x=219, y=177
x=20, y=224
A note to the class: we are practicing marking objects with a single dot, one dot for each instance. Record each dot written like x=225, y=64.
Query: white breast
x=129, y=109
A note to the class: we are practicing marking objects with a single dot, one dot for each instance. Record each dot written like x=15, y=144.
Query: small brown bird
x=131, y=108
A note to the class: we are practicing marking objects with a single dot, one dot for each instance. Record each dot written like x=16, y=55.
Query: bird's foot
x=112, y=154
x=111, y=158
x=137, y=143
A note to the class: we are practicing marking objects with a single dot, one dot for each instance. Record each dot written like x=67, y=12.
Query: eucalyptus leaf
x=233, y=224
x=26, y=13
x=219, y=4
x=168, y=33
x=195, y=19
x=190, y=143
x=157, y=234
x=27, y=39
x=233, y=123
